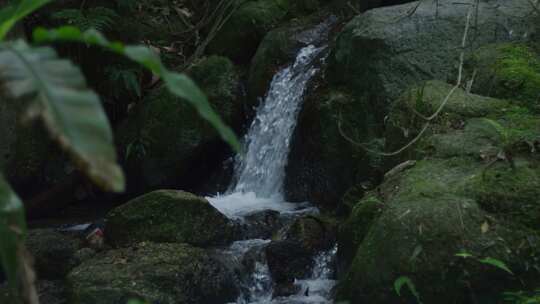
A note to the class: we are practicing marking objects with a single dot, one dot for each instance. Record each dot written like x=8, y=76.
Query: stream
x=258, y=182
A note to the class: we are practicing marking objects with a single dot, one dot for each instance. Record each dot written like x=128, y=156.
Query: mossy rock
x=241, y=35
x=468, y=124
x=54, y=253
x=168, y=216
x=509, y=71
x=351, y=233
x=157, y=273
x=220, y=80
x=312, y=233
x=164, y=141
x=473, y=188
x=429, y=217
x=510, y=192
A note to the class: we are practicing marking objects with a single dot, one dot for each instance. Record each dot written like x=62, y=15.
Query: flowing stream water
x=259, y=176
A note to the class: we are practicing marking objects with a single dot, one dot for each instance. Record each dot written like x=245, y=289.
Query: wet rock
x=54, y=253
x=164, y=142
x=292, y=257
x=312, y=233
x=168, y=216
x=288, y=260
x=157, y=273
x=261, y=224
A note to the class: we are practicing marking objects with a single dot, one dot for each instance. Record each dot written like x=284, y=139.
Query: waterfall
x=262, y=169
x=260, y=172
x=258, y=182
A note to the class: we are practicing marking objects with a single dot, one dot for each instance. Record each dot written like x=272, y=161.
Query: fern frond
x=99, y=18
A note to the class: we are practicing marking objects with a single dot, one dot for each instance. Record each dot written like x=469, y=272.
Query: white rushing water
x=259, y=180
x=260, y=172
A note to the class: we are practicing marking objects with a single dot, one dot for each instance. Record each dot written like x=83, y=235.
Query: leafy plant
x=405, y=281
x=128, y=80
x=55, y=91
x=99, y=18
x=178, y=84
x=521, y=297
x=487, y=261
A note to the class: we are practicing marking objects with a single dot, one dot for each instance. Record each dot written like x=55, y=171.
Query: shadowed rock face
x=159, y=273
x=168, y=216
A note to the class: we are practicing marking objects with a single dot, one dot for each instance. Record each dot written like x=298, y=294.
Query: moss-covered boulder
x=429, y=219
x=54, y=253
x=164, y=141
x=473, y=188
x=379, y=59
x=239, y=38
x=168, y=216
x=157, y=273
x=509, y=71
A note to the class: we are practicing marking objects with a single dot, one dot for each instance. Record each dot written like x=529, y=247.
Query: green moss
x=164, y=273
x=352, y=232
x=168, y=216
x=510, y=192
x=429, y=215
x=510, y=71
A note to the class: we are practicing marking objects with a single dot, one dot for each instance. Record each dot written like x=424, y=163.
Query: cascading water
x=259, y=177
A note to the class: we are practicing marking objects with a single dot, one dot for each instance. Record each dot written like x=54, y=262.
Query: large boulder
x=377, y=55
x=165, y=142
x=473, y=189
x=54, y=253
x=168, y=216
x=157, y=273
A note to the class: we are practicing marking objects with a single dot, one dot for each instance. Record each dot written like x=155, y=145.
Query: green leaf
x=403, y=280
x=178, y=84
x=497, y=263
x=72, y=113
x=17, y=11
x=464, y=255
x=12, y=230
